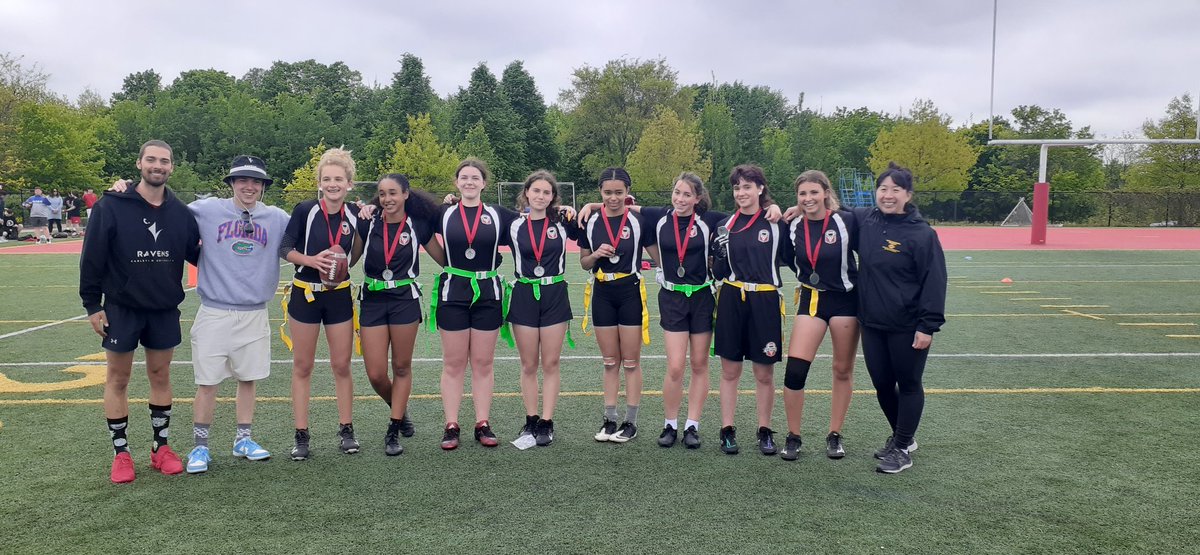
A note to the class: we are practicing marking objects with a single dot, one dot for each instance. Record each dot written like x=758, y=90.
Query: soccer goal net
x=1020, y=215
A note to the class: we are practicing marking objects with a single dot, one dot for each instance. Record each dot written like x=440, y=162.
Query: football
x=340, y=271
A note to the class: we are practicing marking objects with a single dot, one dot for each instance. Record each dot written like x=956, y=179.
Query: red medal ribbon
x=607, y=227
x=395, y=243
x=538, y=247
x=470, y=231
x=812, y=255
x=748, y=224
x=329, y=228
x=686, y=236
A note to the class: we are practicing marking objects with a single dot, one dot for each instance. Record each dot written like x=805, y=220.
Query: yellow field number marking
x=92, y=374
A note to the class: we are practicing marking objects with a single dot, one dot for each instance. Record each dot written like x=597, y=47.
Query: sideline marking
x=1178, y=336
x=43, y=326
x=1156, y=324
x=1074, y=313
x=1011, y=292
x=1040, y=299
x=1075, y=306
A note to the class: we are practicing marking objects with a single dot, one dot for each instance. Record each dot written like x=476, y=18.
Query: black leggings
x=54, y=222
x=896, y=369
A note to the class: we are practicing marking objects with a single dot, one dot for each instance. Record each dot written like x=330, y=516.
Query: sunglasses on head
x=247, y=223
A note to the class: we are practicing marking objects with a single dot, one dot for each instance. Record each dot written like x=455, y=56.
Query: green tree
x=55, y=146
x=303, y=185
x=409, y=95
x=939, y=158
x=779, y=164
x=476, y=144
x=719, y=140
x=428, y=163
x=1170, y=167
x=143, y=87
x=667, y=147
x=483, y=102
x=541, y=150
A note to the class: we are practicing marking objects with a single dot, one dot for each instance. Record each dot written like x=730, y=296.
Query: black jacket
x=133, y=252
x=902, y=272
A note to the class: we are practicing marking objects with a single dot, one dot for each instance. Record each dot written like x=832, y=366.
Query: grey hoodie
x=238, y=271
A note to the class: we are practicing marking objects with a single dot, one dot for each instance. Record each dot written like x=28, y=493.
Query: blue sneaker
x=198, y=460
x=250, y=450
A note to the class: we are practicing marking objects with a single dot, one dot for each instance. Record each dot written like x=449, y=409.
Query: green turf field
x=1061, y=418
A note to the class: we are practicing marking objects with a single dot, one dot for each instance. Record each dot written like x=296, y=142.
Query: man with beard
x=130, y=281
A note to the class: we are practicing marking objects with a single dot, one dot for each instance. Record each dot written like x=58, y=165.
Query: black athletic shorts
x=686, y=314
x=154, y=329
x=553, y=308
x=750, y=329
x=384, y=310
x=617, y=303
x=461, y=315
x=327, y=307
x=829, y=304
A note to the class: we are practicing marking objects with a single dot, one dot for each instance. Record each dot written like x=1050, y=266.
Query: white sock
x=690, y=423
x=672, y=423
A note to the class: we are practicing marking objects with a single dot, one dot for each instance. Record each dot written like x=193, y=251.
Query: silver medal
x=387, y=274
x=614, y=258
x=680, y=271
x=469, y=253
x=539, y=271
x=814, y=279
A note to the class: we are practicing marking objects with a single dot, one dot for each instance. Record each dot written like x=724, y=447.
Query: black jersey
x=310, y=233
x=485, y=246
x=523, y=241
x=836, y=266
x=699, y=242
x=405, y=262
x=631, y=239
x=755, y=251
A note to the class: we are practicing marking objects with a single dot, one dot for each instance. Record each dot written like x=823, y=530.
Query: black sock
x=393, y=426
x=160, y=420
x=116, y=429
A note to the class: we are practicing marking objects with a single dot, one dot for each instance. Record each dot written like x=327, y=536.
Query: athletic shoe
x=300, y=449
x=894, y=461
x=890, y=443
x=391, y=443
x=729, y=444
x=122, y=468
x=247, y=448
x=48, y=241
x=347, y=442
x=484, y=434
x=667, y=437
x=166, y=461
x=198, y=460
x=626, y=432
x=530, y=427
x=450, y=436
x=766, y=440
x=791, y=447
x=544, y=433
x=406, y=426
x=606, y=430
x=833, y=446
x=691, y=438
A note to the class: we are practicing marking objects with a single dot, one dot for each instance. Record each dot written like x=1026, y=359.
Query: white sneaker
x=250, y=450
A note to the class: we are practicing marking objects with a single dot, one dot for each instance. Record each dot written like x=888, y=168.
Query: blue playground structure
x=855, y=188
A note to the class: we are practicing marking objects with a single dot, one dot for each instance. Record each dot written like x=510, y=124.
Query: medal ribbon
x=538, y=247
x=812, y=255
x=608, y=227
x=686, y=236
x=395, y=243
x=329, y=228
x=748, y=224
x=470, y=230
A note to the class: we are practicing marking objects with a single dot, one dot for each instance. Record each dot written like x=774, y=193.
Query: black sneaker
x=606, y=430
x=348, y=444
x=450, y=436
x=300, y=450
x=691, y=438
x=626, y=432
x=895, y=461
x=766, y=440
x=729, y=444
x=484, y=434
x=530, y=427
x=544, y=433
x=406, y=426
x=890, y=443
x=668, y=436
x=833, y=446
x=791, y=447
x=391, y=442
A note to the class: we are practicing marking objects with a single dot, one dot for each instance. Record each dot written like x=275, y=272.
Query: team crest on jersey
x=405, y=238
x=625, y=233
x=692, y=233
x=830, y=237
x=770, y=349
x=764, y=236
x=486, y=219
x=346, y=227
x=552, y=232
x=891, y=246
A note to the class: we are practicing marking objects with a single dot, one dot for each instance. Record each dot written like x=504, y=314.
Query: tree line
x=632, y=113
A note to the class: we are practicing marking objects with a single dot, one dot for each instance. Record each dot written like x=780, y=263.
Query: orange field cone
x=193, y=275
x=1006, y=280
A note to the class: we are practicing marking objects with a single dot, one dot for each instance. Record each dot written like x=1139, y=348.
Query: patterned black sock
x=116, y=429
x=160, y=420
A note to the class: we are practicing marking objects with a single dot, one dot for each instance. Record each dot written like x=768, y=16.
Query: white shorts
x=230, y=344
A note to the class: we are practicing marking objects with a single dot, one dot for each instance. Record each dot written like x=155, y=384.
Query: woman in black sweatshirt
x=902, y=301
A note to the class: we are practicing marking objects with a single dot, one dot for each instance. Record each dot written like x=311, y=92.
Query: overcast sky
x=1108, y=63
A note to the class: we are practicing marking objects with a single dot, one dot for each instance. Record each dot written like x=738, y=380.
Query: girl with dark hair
x=825, y=300
x=390, y=298
x=902, y=287
x=611, y=248
x=539, y=307
x=749, y=311
x=466, y=302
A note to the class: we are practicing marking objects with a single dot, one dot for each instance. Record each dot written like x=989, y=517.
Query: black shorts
x=750, y=329
x=686, y=314
x=617, y=303
x=553, y=308
x=829, y=304
x=462, y=315
x=388, y=310
x=327, y=307
x=154, y=329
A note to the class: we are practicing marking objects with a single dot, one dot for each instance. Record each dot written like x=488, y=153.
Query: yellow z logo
x=891, y=246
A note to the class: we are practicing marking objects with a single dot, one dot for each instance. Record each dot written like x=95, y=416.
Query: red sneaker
x=122, y=468
x=166, y=461
x=450, y=436
x=484, y=434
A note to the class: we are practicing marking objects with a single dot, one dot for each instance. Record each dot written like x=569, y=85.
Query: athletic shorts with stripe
x=681, y=313
x=553, y=308
x=750, y=329
x=830, y=304
x=230, y=344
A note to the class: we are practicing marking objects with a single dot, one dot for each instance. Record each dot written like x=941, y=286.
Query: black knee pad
x=796, y=374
